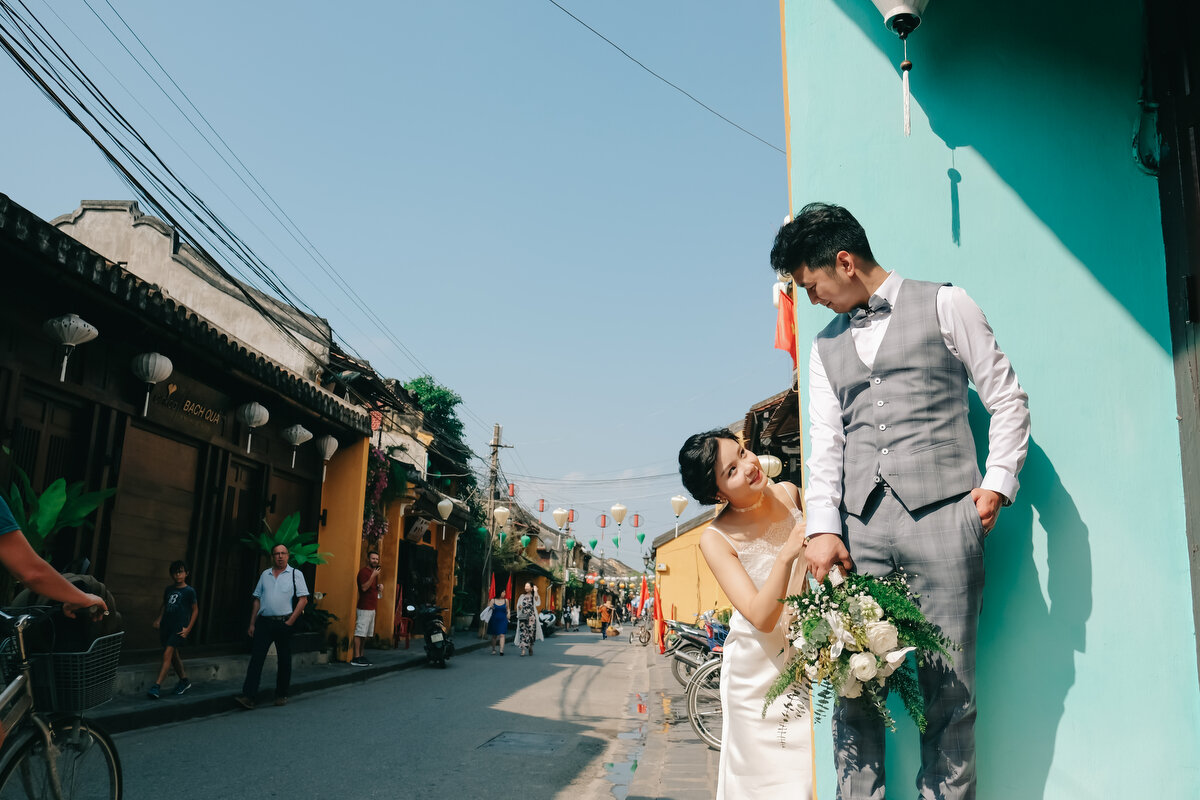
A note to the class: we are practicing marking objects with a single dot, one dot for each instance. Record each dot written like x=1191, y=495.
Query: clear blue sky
x=573, y=246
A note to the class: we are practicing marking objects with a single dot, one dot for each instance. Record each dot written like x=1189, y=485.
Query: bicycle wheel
x=85, y=760
x=704, y=703
x=683, y=670
x=644, y=636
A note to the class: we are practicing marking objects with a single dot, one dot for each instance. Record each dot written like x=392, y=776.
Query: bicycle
x=47, y=748
x=639, y=632
x=704, y=703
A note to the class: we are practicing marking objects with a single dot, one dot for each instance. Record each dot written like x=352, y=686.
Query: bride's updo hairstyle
x=698, y=464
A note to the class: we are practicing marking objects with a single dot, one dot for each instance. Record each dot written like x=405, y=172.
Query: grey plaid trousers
x=941, y=548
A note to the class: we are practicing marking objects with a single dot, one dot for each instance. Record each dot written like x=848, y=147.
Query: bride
x=754, y=548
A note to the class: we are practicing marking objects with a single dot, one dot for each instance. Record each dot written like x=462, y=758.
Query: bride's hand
x=794, y=545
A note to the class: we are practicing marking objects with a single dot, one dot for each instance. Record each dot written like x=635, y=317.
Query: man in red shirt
x=369, y=592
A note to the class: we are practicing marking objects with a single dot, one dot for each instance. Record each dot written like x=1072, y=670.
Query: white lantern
x=252, y=415
x=501, y=515
x=771, y=465
x=560, y=517
x=69, y=330
x=618, y=513
x=678, y=504
x=296, y=435
x=326, y=446
x=444, y=507
x=150, y=368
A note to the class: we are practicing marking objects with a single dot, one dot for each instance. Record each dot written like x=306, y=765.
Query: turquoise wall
x=1018, y=184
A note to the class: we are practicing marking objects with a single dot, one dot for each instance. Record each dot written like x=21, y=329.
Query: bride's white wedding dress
x=760, y=759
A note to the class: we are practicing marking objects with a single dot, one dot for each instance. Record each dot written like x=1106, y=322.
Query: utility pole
x=493, y=476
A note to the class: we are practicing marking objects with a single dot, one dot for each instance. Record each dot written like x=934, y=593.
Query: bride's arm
x=761, y=607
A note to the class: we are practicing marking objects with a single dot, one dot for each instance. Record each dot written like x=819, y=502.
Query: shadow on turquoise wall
x=1047, y=94
x=1027, y=638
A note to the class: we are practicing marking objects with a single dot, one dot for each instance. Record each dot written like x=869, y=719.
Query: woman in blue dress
x=497, y=627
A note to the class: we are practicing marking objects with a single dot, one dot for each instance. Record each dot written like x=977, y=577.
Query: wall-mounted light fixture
x=252, y=415
x=296, y=435
x=150, y=368
x=69, y=331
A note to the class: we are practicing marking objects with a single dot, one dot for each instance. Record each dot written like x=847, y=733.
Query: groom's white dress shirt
x=970, y=339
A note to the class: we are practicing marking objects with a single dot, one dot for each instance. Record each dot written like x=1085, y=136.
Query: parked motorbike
x=691, y=647
x=438, y=644
x=548, y=622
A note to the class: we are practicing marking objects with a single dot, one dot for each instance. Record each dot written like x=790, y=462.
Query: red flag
x=508, y=590
x=660, y=627
x=643, y=597
x=492, y=588
x=785, y=326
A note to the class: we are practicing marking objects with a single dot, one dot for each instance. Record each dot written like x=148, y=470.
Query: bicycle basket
x=70, y=683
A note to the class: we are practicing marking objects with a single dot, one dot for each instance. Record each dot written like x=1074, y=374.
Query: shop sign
x=187, y=402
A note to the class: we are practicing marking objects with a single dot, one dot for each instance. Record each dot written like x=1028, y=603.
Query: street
x=577, y=720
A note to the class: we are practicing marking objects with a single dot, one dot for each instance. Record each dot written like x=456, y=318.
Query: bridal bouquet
x=852, y=636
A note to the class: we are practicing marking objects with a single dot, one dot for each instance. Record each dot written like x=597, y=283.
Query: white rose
x=882, y=637
x=835, y=649
x=863, y=666
x=851, y=688
x=811, y=671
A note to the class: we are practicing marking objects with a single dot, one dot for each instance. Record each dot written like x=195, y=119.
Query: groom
x=893, y=477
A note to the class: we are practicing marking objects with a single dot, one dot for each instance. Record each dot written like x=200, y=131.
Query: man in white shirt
x=893, y=476
x=279, y=600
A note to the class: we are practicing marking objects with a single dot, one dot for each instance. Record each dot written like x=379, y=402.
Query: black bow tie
x=876, y=308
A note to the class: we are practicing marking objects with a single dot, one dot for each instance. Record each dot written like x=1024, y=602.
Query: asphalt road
x=563, y=723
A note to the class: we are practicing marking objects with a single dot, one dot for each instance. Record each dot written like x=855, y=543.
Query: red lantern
x=512, y=490
x=602, y=521
x=637, y=520
x=570, y=515
x=541, y=505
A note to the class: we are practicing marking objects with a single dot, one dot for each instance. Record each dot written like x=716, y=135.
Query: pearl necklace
x=744, y=509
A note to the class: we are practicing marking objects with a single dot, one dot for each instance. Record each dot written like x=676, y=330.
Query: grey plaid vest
x=906, y=419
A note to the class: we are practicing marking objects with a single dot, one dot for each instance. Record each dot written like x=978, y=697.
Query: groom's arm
x=969, y=337
x=823, y=494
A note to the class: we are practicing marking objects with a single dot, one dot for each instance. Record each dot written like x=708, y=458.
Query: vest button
x=878, y=479
x=878, y=402
x=883, y=427
x=879, y=380
x=884, y=451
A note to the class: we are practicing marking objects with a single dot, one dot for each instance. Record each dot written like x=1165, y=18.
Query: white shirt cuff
x=1002, y=481
x=823, y=520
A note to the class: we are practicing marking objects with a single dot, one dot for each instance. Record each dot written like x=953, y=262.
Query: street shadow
x=1037, y=602
x=998, y=89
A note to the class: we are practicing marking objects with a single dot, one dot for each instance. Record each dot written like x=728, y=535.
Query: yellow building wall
x=445, y=540
x=342, y=497
x=389, y=568
x=687, y=585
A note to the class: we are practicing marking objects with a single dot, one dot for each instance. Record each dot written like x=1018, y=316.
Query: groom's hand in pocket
x=987, y=503
x=823, y=551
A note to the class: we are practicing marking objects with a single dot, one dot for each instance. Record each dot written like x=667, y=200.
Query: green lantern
x=503, y=536
x=525, y=540
x=593, y=542
x=641, y=537
x=616, y=541
x=570, y=544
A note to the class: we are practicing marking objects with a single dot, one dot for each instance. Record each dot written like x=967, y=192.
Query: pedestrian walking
x=527, y=620
x=606, y=616
x=497, y=626
x=279, y=599
x=175, y=621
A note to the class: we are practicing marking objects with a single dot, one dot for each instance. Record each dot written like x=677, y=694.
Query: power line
x=683, y=92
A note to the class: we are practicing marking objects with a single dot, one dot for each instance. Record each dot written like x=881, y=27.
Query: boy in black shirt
x=174, y=623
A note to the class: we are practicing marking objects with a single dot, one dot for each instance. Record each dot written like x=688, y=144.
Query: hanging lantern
x=902, y=18
x=541, y=505
x=503, y=536
x=570, y=544
x=69, y=331
x=150, y=368
x=678, y=504
x=592, y=543
x=570, y=515
x=602, y=521
x=525, y=540
x=771, y=465
x=296, y=435
x=512, y=490
x=326, y=446
x=253, y=415
x=618, y=513
x=500, y=514
x=636, y=521
x=444, y=507
x=560, y=517
x=616, y=541
x=641, y=537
